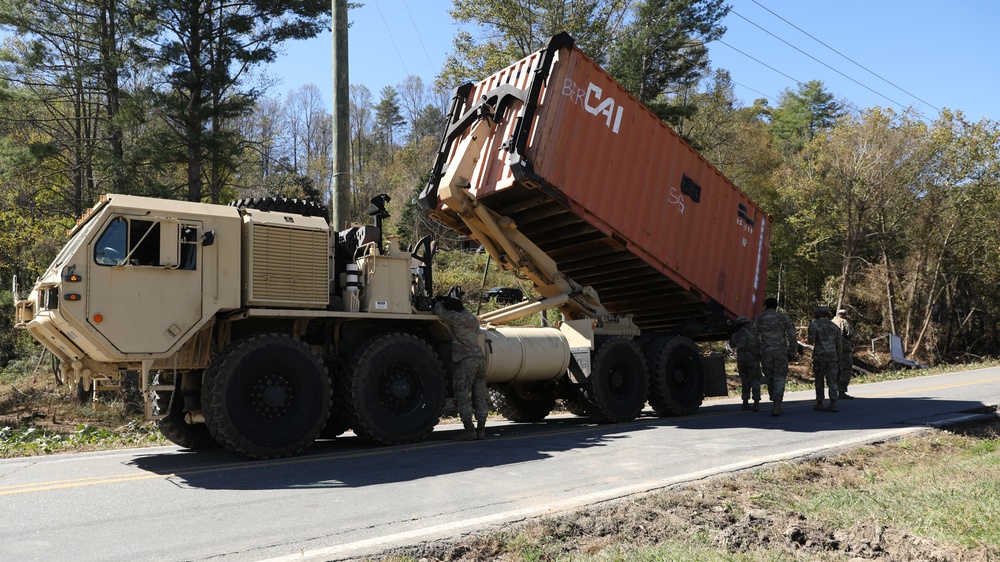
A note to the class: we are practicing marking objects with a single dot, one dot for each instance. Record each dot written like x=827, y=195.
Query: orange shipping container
x=612, y=194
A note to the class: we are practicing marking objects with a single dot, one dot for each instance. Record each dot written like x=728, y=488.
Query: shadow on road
x=349, y=462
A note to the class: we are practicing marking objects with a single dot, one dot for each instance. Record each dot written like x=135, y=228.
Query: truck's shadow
x=350, y=462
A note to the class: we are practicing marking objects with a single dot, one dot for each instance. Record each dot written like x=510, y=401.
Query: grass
x=32, y=440
x=944, y=487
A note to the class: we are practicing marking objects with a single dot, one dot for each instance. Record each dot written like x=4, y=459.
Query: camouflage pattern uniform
x=470, y=363
x=778, y=345
x=847, y=357
x=744, y=341
x=825, y=336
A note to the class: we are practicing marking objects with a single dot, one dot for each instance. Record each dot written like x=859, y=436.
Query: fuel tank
x=525, y=354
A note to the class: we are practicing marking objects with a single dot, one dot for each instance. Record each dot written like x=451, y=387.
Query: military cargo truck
x=258, y=327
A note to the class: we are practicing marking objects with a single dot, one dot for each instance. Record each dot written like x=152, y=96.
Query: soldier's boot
x=845, y=396
x=756, y=405
x=746, y=405
x=819, y=405
x=832, y=407
x=481, y=429
x=467, y=434
x=776, y=408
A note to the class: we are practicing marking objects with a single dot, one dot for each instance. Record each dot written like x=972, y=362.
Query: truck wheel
x=177, y=430
x=618, y=380
x=512, y=403
x=267, y=396
x=395, y=390
x=676, y=379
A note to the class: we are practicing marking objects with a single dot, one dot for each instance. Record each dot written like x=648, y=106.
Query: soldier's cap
x=770, y=302
x=824, y=310
x=842, y=312
x=742, y=320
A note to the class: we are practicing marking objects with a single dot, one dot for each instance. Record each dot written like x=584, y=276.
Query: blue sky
x=925, y=53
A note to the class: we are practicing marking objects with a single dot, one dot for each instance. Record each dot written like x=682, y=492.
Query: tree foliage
x=663, y=52
x=508, y=30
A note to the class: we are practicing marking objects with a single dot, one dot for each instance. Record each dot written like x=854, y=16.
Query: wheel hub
x=399, y=388
x=272, y=396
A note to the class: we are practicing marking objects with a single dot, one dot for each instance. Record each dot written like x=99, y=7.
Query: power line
x=846, y=57
x=819, y=61
x=393, y=41
x=760, y=62
x=744, y=86
x=419, y=39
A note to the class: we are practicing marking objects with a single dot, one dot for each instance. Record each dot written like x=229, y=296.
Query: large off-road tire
x=618, y=382
x=676, y=380
x=283, y=205
x=266, y=396
x=394, y=389
x=176, y=429
x=516, y=403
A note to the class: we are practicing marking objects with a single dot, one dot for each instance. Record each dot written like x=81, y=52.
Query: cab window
x=129, y=242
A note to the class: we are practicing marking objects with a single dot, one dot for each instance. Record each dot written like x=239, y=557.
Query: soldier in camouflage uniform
x=847, y=357
x=747, y=348
x=778, y=345
x=827, y=343
x=470, y=366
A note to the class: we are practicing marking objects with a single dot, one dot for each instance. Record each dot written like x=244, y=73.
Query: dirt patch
x=722, y=515
x=38, y=401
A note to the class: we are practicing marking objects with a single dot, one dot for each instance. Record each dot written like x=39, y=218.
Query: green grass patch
x=944, y=487
x=33, y=440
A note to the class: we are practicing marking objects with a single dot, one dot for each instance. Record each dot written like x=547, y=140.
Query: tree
x=388, y=119
x=207, y=48
x=508, y=30
x=801, y=115
x=663, y=52
x=66, y=63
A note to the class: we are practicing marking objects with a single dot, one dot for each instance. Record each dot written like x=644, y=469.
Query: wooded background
x=892, y=215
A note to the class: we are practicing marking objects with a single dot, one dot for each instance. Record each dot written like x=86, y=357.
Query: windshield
x=74, y=243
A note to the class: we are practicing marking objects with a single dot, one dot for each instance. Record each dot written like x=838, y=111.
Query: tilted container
x=612, y=194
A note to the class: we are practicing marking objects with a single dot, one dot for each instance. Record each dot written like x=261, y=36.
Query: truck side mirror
x=208, y=238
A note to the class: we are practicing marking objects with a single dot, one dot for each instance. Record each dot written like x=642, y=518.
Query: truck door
x=145, y=283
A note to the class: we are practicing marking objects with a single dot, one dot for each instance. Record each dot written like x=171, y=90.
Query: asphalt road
x=346, y=499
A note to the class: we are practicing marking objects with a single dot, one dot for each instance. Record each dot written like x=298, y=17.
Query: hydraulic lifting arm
x=508, y=246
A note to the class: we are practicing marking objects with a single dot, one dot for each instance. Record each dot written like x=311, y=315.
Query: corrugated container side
x=618, y=199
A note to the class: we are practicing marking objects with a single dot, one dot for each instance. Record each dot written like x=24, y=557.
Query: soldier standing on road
x=470, y=364
x=744, y=341
x=825, y=337
x=847, y=357
x=778, y=345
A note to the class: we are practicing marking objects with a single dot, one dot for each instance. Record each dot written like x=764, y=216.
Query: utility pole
x=340, y=200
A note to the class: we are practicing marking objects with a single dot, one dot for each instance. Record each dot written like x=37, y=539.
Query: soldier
x=778, y=345
x=470, y=364
x=847, y=357
x=744, y=341
x=825, y=337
